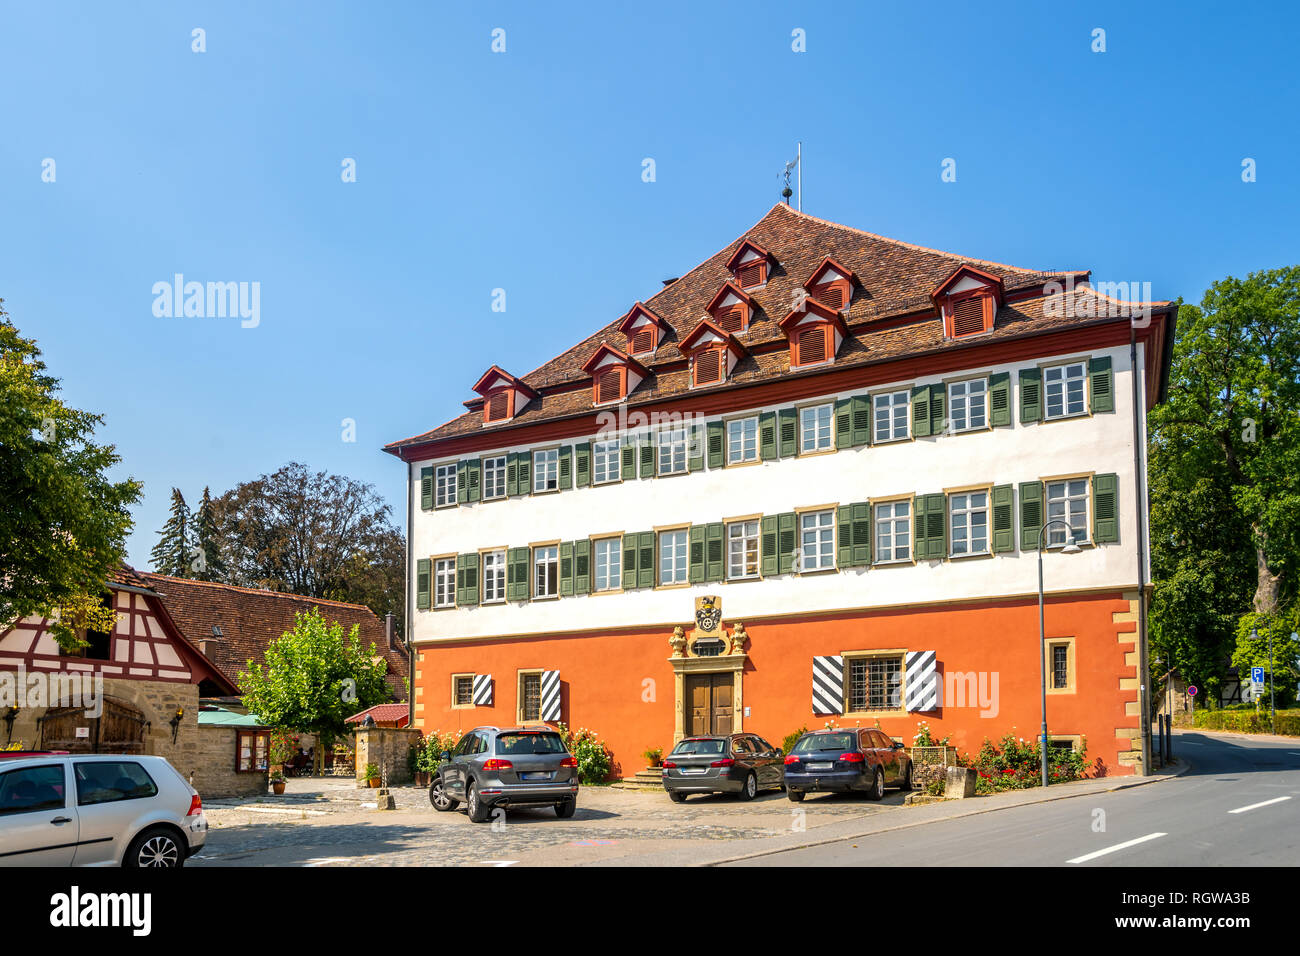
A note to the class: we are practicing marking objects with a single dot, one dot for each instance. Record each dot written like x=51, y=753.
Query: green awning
x=228, y=718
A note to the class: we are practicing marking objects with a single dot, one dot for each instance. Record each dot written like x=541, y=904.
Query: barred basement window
x=530, y=696
x=874, y=683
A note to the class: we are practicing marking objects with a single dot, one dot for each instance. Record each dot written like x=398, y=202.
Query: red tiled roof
x=381, y=713
x=894, y=280
x=250, y=619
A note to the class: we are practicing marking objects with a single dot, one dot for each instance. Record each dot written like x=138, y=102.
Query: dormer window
x=731, y=309
x=815, y=332
x=968, y=301
x=811, y=345
x=644, y=330
x=831, y=284
x=614, y=374
x=749, y=264
x=609, y=386
x=713, y=353
x=503, y=396
x=497, y=407
x=706, y=366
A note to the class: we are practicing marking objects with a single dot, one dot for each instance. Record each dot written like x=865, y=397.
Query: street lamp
x=1070, y=548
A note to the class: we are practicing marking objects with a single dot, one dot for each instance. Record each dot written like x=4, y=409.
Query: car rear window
x=699, y=747
x=105, y=782
x=815, y=743
x=530, y=743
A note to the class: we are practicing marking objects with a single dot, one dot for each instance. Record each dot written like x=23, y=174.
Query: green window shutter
x=1000, y=399
x=861, y=420
x=787, y=539
x=695, y=546
x=460, y=580
x=582, y=460
x=517, y=575
x=715, y=566
x=525, y=472
x=1031, y=398
x=788, y=419
x=936, y=526
x=466, y=579
x=645, y=561
x=920, y=527
x=566, y=468
x=1103, y=384
x=717, y=439
x=921, y=411
x=844, y=536
x=582, y=567
x=938, y=402
x=1003, y=519
x=422, y=576
x=647, y=456
x=861, y=534
x=1105, y=508
x=631, y=545
x=1031, y=514
x=767, y=436
x=512, y=474
x=767, y=546
x=844, y=423
x=566, y=569
x=475, y=479
x=628, y=462
x=695, y=451
x=426, y=488
x=462, y=482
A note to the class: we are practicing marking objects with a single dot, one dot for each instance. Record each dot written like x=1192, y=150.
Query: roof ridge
x=247, y=590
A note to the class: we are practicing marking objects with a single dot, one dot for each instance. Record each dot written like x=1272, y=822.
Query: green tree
x=64, y=523
x=313, y=678
x=171, y=555
x=207, y=564
x=1252, y=651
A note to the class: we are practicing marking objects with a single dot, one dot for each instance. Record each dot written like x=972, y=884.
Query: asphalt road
x=1238, y=806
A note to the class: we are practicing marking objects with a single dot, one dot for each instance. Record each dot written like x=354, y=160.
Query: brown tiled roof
x=381, y=713
x=894, y=281
x=250, y=619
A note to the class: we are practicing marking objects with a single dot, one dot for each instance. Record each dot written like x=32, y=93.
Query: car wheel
x=676, y=797
x=795, y=795
x=441, y=801
x=907, y=778
x=158, y=847
x=565, y=808
x=478, y=810
x=750, y=790
x=877, y=786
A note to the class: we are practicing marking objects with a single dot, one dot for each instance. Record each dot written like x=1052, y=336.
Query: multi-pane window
x=546, y=470
x=967, y=404
x=1063, y=390
x=742, y=440
x=494, y=477
x=969, y=522
x=546, y=571
x=874, y=683
x=893, y=531
x=742, y=549
x=608, y=564
x=672, y=451
x=891, y=415
x=530, y=696
x=444, y=582
x=1067, y=501
x=252, y=749
x=604, y=461
x=672, y=557
x=462, y=690
x=1060, y=666
x=815, y=428
x=444, y=486
x=494, y=576
x=817, y=540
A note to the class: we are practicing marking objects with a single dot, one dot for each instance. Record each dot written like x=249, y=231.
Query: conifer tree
x=171, y=555
x=206, y=564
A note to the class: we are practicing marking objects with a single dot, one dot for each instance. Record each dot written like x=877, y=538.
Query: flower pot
x=374, y=783
x=278, y=787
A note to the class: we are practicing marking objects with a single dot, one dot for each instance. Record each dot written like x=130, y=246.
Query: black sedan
x=863, y=761
x=742, y=764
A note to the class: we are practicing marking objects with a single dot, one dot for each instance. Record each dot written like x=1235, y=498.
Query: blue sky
x=522, y=170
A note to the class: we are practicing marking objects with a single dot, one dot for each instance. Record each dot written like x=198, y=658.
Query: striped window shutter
x=566, y=468
x=582, y=463
x=767, y=546
x=550, y=695
x=647, y=456
x=629, y=457
x=717, y=450
x=715, y=565
x=695, y=450
x=426, y=488
x=828, y=685
x=512, y=474
x=645, y=560
x=861, y=420
x=582, y=566
x=482, y=692
x=844, y=423
x=844, y=536
x=789, y=431
x=921, y=411
x=921, y=671
x=695, y=542
x=422, y=575
x=566, y=569
x=631, y=549
x=1003, y=519
x=525, y=472
x=1105, y=508
x=1103, y=384
x=1031, y=514
x=787, y=541
x=462, y=482
x=1000, y=399
x=938, y=402
x=517, y=575
x=467, y=579
x=1031, y=395
x=766, y=436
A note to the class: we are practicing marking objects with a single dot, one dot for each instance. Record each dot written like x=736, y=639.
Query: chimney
x=389, y=630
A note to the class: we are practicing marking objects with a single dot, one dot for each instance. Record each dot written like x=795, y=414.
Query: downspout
x=410, y=620
x=1140, y=482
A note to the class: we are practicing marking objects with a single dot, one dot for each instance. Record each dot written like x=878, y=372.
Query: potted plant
x=372, y=775
x=655, y=756
x=277, y=781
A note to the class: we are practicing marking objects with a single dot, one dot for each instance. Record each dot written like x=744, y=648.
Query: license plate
x=535, y=776
x=700, y=770
x=820, y=766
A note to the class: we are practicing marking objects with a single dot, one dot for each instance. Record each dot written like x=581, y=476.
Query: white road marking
x=500, y=862
x=326, y=860
x=1256, y=806
x=1118, y=846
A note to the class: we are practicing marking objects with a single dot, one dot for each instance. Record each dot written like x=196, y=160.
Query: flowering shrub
x=791, y=739
x=1014, y=764
x=284, y=746
x=428, y=757
x=923, y=737
x=593, y=755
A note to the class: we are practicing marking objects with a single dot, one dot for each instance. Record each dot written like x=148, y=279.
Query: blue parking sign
x=1257, y=675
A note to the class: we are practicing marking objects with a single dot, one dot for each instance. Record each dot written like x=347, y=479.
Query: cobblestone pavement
x=326, y=822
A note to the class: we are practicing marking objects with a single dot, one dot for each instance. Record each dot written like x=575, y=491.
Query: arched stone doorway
x=120, y=729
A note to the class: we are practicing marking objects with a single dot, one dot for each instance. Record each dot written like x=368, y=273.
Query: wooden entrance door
x=118, y=730
x=708, y=702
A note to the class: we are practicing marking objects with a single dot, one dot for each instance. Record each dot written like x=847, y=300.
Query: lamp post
x=1070, y=548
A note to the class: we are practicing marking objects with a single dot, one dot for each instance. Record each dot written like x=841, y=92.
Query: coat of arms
x=708, y=613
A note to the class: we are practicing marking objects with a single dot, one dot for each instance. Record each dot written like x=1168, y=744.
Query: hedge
x=1249, y=721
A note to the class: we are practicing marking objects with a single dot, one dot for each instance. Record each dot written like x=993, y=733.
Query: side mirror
x=898, y=745
x=446, y=755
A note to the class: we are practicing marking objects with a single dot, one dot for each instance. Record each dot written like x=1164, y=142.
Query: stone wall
x=212, y=772
x=389, y=749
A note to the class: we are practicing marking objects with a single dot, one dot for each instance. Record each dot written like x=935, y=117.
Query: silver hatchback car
x=514, y=767
x=97, y=810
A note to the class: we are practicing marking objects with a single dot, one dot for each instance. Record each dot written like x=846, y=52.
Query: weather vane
x=787, y=192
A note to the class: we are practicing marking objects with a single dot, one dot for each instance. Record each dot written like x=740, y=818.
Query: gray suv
x=507, y=767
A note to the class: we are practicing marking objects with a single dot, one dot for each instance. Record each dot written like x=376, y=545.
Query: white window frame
x=674, y=557
x=494, y=573
x=895, y=521
x=962, y=511
x=613, y=548
x=444, y=487
x=444, y=582
x=545, y=555
x=817, y=540
x=888, y=402
x=549, y=474
x=609, y=457
x=672, y=448
x=742, y=433
x=1062, y=502
x=968, y=397
x=819, y=420
x=1061, y=386
x=749, y=541
x=494, y=466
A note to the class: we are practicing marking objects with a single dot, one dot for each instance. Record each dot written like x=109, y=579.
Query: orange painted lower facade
x=627, y=685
